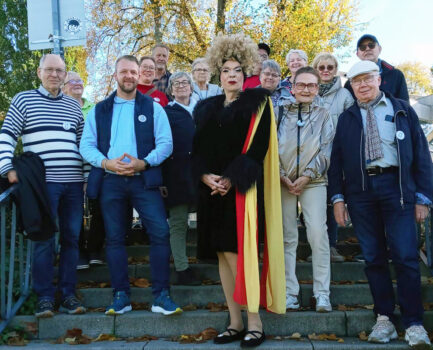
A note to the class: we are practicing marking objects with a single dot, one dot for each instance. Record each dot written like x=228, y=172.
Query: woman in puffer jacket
x=305, y=135
x=336, y=99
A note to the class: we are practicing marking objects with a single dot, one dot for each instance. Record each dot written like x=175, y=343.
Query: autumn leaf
x=31, y=327
x=141, y=338
x=215, y=307
x=363, y=336
x=189, y=307
x=141, y=283
x=295, y=336
x=106, y=337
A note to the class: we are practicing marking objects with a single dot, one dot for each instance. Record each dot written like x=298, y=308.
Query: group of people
x=247, y=155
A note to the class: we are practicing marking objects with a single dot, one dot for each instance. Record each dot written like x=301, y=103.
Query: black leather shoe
x=233, y=335
x=256, y=340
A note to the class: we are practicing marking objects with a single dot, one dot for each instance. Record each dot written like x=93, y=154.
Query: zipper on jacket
x=360, y=157
x=399, y=163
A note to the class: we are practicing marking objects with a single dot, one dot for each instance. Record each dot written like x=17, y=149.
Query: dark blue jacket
x=393, y=81
x=143, y=125
x=347, y=172
x=176, y=170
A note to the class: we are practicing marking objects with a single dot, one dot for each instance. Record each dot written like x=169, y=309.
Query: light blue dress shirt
x=123, y=135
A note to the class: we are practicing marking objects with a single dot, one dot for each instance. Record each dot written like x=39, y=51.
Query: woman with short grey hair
x=202, y=89
x=270, y=79
x=295, y=59
x=179, y=184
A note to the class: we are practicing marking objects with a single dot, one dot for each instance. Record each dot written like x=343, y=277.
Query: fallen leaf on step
x=205, y=335
x=140, y=306
x=295, y=336
x=215, y=307
x=189, y=307
x=340, y=340
x=369, y=307
x=14, y=338
x=363, y=336
x=141, y=338
x=74, y=336
x=141, y=283
x=31, y=327
x=105, y=337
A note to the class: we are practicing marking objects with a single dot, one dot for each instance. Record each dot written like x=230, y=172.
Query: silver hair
x=178, y=75
x=301, y=53
x=272, y=65
x=42, y=60
x=198, y=61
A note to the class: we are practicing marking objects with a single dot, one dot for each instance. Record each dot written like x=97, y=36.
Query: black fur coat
x=217, y=147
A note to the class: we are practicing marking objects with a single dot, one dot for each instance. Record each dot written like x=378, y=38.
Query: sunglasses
x=329, y=67
x=363, y=47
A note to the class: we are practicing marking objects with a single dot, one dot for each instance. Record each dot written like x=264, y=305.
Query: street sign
x=70, y=23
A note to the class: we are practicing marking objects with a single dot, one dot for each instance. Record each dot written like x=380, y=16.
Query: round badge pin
x=156, y=99
x=142, y=118
x=66, y=125
x=400, y=135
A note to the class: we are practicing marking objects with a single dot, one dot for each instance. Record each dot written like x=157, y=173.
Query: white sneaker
x=292, y=302
x=383, y=331
x=323, y=304
x=417, y=337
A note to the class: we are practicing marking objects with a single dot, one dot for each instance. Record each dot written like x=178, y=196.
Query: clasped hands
x=218, y=184
x=116, y=165
x=296, y=187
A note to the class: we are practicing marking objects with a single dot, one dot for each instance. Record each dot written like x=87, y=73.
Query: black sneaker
x=44, y=308
x=83, y=262
x=187, y=278
x=95, y=259
x=71, y=305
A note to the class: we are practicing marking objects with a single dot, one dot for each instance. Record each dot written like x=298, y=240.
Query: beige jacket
x=316, y=137
x=336, y=100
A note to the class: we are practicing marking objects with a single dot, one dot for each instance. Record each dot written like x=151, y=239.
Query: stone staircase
x=350, y=296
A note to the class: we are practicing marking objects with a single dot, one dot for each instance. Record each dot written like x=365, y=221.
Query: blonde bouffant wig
x=238, y=47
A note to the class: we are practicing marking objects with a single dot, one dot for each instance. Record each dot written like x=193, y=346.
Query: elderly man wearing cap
x=381, y=167
x=392, y=79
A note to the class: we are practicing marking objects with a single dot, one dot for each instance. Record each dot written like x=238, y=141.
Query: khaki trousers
x=313, y=203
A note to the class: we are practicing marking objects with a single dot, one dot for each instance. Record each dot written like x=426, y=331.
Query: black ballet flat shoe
x=258, y=338
x=233, y=335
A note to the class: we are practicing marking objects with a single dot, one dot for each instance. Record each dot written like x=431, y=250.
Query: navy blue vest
x=145, y=138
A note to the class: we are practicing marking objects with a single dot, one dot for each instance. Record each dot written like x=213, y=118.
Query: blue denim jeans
x=66, y=201
x=379, y=221
x=331, y=224
x=116, y=192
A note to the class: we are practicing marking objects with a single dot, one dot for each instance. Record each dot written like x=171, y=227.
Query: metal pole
x=58, y=50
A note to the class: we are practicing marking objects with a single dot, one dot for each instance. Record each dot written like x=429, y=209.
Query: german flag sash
x=269, y=290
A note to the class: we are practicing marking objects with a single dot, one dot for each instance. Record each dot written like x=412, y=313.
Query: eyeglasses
x=58, y=71
x=180, y=83
x=358, y=81
x=363, y=47
x=329, y=67
x=263, y=56
x=74, y=82
x=269, y=75
x=201, y=70
x=309, y=86
x=148, y=68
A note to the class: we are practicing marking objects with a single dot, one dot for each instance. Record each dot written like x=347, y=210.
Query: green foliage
x=18, y=68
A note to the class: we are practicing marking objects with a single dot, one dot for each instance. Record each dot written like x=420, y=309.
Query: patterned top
x=50, y=127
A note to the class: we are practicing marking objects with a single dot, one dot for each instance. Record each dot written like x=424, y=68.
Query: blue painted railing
x=17, y=257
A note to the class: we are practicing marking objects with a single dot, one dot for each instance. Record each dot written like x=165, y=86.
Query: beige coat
x=336, y=100
x=316, y=137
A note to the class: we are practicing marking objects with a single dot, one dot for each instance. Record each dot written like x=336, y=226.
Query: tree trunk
x=221, y=16
x=157, y=19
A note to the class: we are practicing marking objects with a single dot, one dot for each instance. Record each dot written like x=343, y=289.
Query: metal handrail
x=8, y=308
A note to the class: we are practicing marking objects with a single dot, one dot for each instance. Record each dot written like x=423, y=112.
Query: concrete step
x=355, y=294
x=347, y=271
x=349, y=343
x=139, y=235
x=139, y=323
x=303, y=251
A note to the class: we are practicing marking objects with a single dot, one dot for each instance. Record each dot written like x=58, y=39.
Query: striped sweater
x=49, y=127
